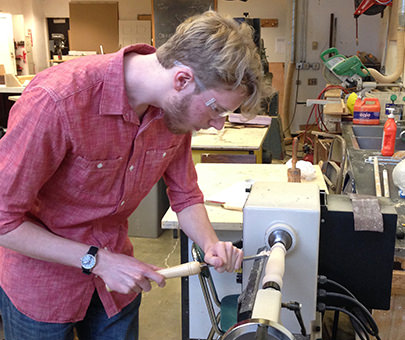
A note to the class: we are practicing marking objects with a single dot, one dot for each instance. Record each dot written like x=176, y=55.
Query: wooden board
x=338, y=108
x=391, y=323
x=334, y=93
x=277, y=83
x=93, y=24
x=268, y=22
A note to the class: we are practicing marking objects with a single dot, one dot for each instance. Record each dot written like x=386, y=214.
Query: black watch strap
x=93, y=250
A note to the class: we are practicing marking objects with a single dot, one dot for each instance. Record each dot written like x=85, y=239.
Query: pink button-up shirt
x=77, y=160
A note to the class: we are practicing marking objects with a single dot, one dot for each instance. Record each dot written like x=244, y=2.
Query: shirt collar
x=114, y=99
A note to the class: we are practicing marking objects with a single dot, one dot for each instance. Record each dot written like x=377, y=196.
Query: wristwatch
x=89, y=260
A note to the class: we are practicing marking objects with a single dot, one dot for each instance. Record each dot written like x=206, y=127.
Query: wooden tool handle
x=377, y=178
x=185, y=269
x=294, y=173
x=386, y=183
x=294, y=153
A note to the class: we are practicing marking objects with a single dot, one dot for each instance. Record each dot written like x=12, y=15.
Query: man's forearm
x=121, y=273
x=36, y=242
x=195, y=223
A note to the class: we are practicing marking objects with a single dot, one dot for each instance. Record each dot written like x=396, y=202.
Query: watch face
x=88, y=261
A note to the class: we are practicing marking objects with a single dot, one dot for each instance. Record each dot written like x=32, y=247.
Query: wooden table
x=213, y=178
x=230, y=140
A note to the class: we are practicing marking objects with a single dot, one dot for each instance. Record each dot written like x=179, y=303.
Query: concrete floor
x=160, y=313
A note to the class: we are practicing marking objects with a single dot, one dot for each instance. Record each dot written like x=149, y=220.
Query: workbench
x=362, y=176
x=11, y=90
x=228, y=224
x=230, y=140
x=213, y=178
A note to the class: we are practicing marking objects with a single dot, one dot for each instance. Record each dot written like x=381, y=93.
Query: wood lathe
x=312, y=241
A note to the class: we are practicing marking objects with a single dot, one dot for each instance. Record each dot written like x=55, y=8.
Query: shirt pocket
x=154, y=165
x=96, y=176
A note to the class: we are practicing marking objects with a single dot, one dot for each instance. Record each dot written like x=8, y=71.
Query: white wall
x=34, y=19
x=56, y=8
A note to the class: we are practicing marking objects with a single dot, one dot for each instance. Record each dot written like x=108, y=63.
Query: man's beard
x=177, y=114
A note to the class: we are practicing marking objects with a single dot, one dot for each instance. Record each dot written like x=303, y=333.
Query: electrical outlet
x=315, y=66
x=299, y=66
x=312, y=81
x=306, y=66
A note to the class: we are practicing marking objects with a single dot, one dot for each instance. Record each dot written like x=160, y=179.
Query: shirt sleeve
x=31, y=150
x=181, y=179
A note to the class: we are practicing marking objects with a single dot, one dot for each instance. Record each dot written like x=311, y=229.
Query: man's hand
x=224, y=256
x=125, y=274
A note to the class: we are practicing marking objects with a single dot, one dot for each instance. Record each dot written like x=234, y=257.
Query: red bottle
x=390, y=131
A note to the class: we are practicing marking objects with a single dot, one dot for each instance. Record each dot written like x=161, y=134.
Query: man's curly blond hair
x=221, y=53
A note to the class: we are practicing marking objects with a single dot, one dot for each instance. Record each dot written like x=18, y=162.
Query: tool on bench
x=377, y=178
x=294, y=173
x=382, y=160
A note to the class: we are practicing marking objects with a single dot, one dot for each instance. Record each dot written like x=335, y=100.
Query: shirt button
x=99, y=165
x=164, y=154
x=122, y=203
x=131, y=168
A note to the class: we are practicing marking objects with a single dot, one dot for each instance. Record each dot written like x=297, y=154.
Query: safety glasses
x=220, y=112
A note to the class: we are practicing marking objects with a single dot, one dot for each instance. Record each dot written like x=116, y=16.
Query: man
x=85, y=143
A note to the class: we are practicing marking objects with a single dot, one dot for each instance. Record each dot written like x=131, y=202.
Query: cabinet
x=5, y=107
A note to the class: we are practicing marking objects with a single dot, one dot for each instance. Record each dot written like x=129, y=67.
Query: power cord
x=324, y=280
x=362, y=321
x=364, y=311
x=321, y=307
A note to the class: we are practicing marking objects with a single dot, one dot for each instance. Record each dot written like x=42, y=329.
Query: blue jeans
x=95, y=326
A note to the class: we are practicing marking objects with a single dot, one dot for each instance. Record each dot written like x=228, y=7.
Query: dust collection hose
x=380, y=78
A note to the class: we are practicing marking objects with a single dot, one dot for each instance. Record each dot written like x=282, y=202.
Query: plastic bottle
x=366, y=111
x=388, y=141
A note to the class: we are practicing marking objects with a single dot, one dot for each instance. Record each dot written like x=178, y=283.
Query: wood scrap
x=294, y=173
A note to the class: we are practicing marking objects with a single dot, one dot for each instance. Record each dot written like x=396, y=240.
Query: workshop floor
x=160, y=313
